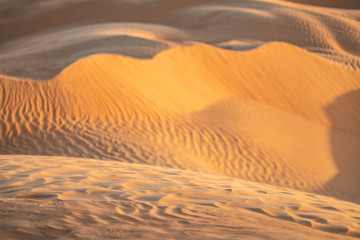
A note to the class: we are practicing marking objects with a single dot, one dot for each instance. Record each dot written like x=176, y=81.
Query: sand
x=86, y=198
x=179, y=119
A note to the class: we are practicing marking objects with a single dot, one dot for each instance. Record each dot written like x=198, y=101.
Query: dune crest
x=295, y=89
x=142, y=29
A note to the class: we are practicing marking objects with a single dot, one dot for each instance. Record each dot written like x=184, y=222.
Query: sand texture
x=179, y=119
x=69, y=198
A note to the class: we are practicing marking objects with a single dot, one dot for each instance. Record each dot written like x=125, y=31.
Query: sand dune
x=351, y=4
x=151, y=202
x=278, y=118
x=190, y=119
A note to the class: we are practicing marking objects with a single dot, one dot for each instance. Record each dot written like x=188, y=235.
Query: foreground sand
x=57, y=197
x=262, y=91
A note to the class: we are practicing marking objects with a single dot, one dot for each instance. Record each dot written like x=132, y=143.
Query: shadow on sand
x=344, y=117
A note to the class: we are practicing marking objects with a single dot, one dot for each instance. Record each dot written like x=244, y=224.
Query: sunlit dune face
x=198, y=116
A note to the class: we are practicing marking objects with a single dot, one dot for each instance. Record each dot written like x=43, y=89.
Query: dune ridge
x=143, y=29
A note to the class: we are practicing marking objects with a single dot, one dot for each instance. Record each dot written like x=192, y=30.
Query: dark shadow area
x=344, y=116
x=239, y=46
x=348, y=4
x=44, y=65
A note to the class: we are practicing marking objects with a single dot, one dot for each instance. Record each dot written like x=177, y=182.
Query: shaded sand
x=265, y=91
x=57, y=197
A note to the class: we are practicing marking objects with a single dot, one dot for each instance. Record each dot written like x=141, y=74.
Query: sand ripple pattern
x=253, y=90
x=143, y=198
x=195, y=118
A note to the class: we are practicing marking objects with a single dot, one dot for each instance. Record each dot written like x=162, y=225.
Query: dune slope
x=108, y=106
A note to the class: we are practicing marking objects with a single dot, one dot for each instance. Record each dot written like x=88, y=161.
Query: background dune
x=262, y=91
x=43, y=38
x=351, y=4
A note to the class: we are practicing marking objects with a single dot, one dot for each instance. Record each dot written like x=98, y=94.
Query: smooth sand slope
x=262, y=91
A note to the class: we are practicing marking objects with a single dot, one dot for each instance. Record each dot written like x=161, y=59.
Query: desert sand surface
x=69, y=198
x=173, y=119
